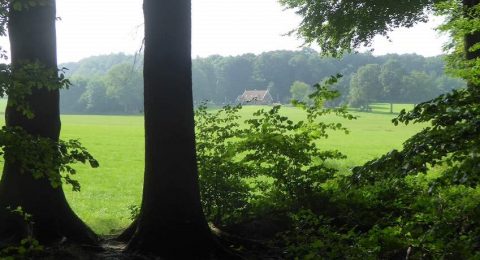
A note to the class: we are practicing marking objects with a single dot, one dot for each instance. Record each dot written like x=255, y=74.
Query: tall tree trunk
x=473, y=38
x=171, y=222
x=33, y=39
x=470, y=40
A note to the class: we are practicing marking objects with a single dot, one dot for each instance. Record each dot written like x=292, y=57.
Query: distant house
x=255, y=97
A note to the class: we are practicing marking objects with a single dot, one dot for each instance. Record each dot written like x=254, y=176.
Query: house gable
x=259, y=97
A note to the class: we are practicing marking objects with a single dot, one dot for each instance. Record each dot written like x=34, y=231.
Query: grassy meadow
x=117, y=143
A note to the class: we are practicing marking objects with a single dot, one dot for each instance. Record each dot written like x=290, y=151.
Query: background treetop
x=341, y=26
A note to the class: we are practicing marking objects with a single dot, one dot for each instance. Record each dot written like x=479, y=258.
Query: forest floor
x=110, y=249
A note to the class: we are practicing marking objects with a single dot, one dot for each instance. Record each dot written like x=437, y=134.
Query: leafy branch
x=44, y=158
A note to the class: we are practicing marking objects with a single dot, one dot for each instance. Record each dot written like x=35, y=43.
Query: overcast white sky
x=226, y=27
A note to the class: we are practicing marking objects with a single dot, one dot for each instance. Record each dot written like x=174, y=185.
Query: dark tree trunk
x=473, y=38
x=128, y=233
x=470, y=41
x=33, y=39
x=171, y=222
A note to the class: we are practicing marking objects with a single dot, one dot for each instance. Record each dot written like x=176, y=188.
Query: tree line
x=113, y=83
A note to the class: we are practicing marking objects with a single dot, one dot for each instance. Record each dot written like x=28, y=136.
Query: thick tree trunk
x=470, y=41
x=128, y=233
x=474, y=38
x=33, y=39
x=171, y=222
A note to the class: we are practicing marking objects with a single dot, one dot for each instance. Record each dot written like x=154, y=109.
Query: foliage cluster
x=432, y=219
x=272, y=161
x=389, y=219
x=29, y=247
x=374, y=213
x=40, y=156
x=43, y=157
x=342, y=26
x=451, y=140
x=223, y=176
x=420, y=202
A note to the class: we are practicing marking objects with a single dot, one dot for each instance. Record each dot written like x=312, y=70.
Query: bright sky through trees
x=225, y=27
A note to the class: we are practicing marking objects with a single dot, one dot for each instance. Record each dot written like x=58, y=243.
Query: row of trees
x=112, y=83
x=393, y=83
x=119, y=90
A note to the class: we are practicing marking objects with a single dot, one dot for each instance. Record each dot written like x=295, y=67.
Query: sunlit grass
x=118, y=144
x=371, y=135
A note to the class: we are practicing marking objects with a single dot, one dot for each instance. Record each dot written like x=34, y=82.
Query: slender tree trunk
x=391, y=108
x=171, y=222
x=33, y=39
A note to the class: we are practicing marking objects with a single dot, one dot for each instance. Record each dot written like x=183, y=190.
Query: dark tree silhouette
x=171, y=223
x=33, y=39
x=325, y=23
x=474, y=37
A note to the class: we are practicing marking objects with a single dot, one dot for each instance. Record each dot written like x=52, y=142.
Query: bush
x=223, y=176
x=271, y=161
x=273, y=165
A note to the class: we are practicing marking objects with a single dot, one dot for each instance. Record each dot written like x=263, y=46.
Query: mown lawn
x=108, y=191
x=117, y=143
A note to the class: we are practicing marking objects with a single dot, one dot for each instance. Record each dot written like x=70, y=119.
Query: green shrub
x=289, y=153
x=28, y=247
x=271, y=161
x=384, y=210
x=314, y=237
x=223, y=184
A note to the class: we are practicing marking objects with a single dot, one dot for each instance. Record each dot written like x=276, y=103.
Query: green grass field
x=117, y=143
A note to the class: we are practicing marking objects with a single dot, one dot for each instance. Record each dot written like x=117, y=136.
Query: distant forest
x=113, y=84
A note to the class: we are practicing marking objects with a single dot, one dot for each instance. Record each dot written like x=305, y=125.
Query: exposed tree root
x=52, y=219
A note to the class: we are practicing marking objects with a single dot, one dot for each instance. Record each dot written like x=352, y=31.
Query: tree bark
x=128, y=233
x=473, y=38
x=33, y=39
x=171, y=222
